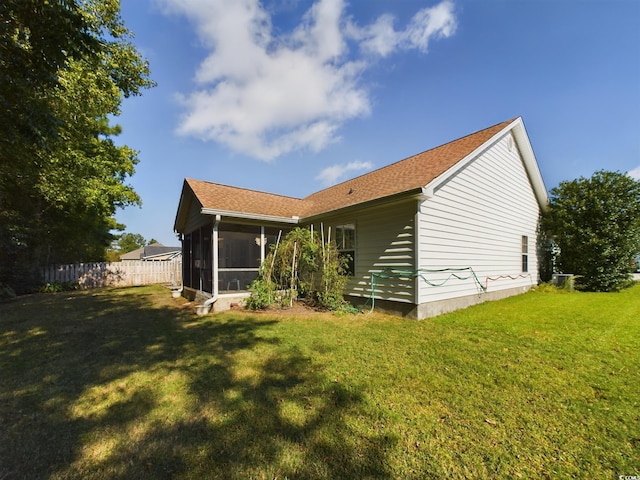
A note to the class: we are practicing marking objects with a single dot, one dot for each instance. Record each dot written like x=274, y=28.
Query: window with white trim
x=346, y=244
x=525, y=254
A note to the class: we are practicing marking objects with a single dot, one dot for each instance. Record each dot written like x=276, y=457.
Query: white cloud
x=381, y=38
x=635, y=173
x=331, y=175
x=266, y=95
x=436, y=22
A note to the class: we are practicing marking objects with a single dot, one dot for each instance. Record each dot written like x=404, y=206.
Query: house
x=444, y=229
x=153, y=253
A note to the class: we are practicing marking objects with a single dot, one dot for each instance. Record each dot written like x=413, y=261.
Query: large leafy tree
x=63, y=176
x=37, y=39
x=125, y=243
x=595, y=222
x=128, y=242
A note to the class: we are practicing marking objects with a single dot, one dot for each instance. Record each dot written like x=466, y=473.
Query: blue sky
x=290, y=96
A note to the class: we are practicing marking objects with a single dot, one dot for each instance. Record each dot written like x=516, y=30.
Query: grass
x=126, y=383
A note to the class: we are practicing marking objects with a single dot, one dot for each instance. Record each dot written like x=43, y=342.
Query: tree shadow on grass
x=125, y=384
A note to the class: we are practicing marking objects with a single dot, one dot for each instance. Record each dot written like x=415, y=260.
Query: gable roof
x=405, y=177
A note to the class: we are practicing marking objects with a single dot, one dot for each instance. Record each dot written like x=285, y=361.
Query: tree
x=128, y=242
x=37, y=39
x=62, y=176
x=596, y=225
x=125, y=243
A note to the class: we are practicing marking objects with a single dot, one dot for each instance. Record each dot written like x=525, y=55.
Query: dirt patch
x=298, y=309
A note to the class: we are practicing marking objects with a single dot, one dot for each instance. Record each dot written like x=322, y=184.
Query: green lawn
x=127, y=383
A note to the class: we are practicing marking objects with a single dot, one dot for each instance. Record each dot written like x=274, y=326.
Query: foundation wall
x=438, y=307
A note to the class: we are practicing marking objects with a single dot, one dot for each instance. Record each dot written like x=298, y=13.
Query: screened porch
x=241, y=250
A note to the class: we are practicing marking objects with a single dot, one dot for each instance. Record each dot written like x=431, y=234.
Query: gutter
x=394, y=198
x=251, y=216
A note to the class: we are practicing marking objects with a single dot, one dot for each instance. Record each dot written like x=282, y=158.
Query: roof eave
x=169, y=253
x=386, y=200
x=250, y=216
x=530, y=162
x=526, y=150
x=183, y=207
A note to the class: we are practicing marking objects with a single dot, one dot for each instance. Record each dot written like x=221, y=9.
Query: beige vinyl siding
x=195, y=219
x=477, y=219
x=384, y=239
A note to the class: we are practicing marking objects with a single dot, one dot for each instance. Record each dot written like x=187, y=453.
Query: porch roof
x=225, y=198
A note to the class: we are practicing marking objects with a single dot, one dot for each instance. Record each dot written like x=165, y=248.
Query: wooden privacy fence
x=116, y=274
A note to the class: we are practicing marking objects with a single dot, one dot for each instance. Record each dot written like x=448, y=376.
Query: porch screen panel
x=186, y=260
x=238, y=256
x=196, y=260
x=207, y=259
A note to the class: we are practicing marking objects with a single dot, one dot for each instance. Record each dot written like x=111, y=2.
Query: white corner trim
x=427, y=192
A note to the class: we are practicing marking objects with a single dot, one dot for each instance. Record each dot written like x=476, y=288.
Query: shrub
x=53, y=287
x=261, y=295
x=595, y=224
x=302, y=265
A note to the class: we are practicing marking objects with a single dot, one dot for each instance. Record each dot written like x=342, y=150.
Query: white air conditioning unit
x=561, y=279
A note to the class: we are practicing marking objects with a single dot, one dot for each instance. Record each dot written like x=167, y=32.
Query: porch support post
x=262, y=244
x=214, y=247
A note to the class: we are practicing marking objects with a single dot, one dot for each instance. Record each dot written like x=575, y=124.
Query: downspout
x=214, y=280
x=177, y=292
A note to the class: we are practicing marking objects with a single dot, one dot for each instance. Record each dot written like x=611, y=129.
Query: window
x=525, y=253
x=346, y=243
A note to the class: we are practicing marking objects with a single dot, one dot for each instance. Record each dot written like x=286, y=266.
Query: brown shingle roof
x=233, y=199
x=403, y=176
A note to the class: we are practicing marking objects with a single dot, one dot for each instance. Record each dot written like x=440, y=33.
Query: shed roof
x=147, y=251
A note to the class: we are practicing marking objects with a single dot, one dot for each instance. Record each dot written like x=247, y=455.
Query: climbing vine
x=301, y=265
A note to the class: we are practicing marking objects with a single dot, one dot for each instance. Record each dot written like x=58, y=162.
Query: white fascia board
x=183, y=207
x=524, y=146
x=530, y=162
x=250, y=216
